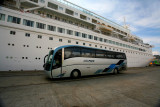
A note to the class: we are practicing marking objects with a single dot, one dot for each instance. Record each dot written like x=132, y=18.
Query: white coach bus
x=75, y=61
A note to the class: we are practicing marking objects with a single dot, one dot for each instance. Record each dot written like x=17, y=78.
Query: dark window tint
x=100, y=54
x=72, y=52
x=88, y=52
x=120, y=56
x=110, y=55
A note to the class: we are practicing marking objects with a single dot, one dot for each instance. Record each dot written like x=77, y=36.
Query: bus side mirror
x=45, y=58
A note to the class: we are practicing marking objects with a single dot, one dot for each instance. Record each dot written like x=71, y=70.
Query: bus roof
x=65, y=46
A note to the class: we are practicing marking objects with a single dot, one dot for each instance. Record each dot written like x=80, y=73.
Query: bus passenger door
x=57, y=64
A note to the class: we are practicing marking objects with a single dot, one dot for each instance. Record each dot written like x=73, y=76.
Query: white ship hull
x=18, y=52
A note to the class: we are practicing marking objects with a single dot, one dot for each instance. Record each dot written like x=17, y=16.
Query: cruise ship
x=29, y=29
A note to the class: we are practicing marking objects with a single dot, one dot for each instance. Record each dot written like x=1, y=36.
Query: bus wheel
x=115, y=71
x=75, y=74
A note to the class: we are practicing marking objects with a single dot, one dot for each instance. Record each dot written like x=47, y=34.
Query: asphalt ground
x=136, y=87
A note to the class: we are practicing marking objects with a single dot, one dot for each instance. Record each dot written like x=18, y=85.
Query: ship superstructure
x=30, y=28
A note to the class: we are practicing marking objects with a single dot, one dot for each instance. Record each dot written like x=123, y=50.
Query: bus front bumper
x=48, y=73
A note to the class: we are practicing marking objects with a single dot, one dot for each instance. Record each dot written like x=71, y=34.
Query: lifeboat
x=103, y=27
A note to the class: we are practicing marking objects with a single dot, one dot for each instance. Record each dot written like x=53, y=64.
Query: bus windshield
x=49, y=59
x=47, y=64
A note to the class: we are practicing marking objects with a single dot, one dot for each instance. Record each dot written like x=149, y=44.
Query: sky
x=142, y=16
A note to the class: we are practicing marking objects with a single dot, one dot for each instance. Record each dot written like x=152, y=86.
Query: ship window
x=70, y=12
x=69, y=41
x=120, y=44
x=117, y=43
x=40, y=36
x=14, y=19
x=2, y=16
x=95, y=45
x=105, y=40
x=40, y=25
x=90, y=36
x=70, y=22
x=12, y=32
x=57, y=18
x=39, y=12
x=84, y=35
x=49, y=16
x=83, y=17
x=61, y=8
x=113, y=42
x=94, y=21
x=70, y=32
x=28, y=23
x=60, y=40
x=50, y=38
x=51, y=28
x=110, y=41
x=95, y=38
x=90, y=44
x=27, y=35
x=64, y=20
x=53, y=6
x=77, y=33
x=101, y=39
x=61, y=30
x=76, y=14
x=84, y=44
x=76, y=42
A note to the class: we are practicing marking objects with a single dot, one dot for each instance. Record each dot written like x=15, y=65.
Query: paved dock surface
x=137, y=87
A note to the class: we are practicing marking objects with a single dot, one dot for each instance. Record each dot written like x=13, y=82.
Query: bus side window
x=120, y=56
x=111, y=55
x=67, y=53
x=88, y=53
x=100, y=54
x=72, y=52
x=76, y=52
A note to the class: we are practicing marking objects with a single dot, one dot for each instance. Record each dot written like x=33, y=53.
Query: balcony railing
x=93, y=14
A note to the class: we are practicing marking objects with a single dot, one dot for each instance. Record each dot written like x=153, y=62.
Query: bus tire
x=115, y=71
x=75, y=73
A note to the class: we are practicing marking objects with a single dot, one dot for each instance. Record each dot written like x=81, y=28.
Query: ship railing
x=92, y=14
